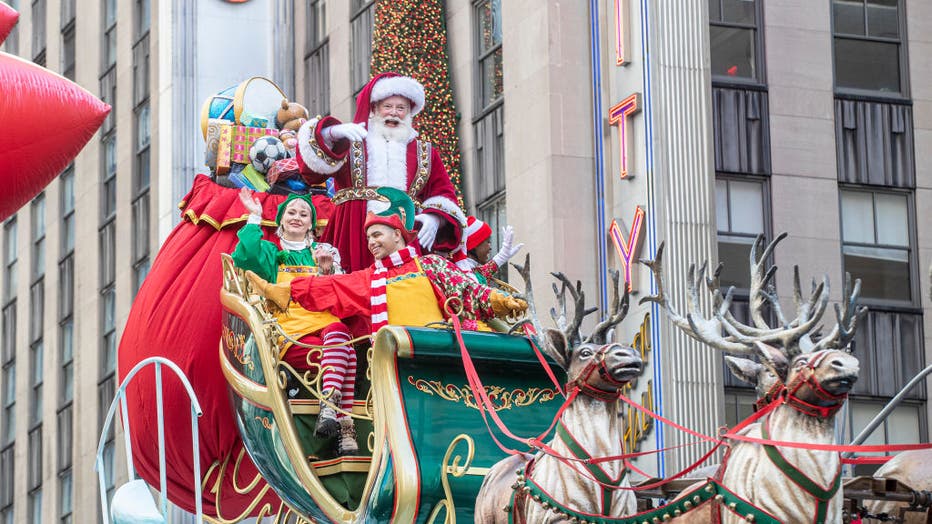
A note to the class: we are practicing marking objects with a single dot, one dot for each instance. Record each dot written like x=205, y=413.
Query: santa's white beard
x=403, y=132
x=386, y=156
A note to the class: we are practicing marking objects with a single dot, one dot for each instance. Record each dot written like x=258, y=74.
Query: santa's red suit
x=359, y=168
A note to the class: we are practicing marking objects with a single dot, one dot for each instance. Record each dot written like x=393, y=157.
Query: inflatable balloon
x=8, y=19
x=177, y=315
x=45, y=121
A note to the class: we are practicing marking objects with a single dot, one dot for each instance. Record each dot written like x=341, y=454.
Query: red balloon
x=8, y=18
x=45, y=121
x=177, y=315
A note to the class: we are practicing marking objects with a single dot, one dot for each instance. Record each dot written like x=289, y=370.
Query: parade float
x=526, y=425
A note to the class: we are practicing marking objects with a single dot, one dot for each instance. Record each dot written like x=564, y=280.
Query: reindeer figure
x=589, y=426
x=812, y=377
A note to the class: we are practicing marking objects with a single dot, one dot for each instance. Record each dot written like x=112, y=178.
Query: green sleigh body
x=430, y=448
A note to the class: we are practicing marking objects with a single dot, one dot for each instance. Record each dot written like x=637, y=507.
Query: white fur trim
x=399, y=85
x=446, y=205
x=386, y=165
x=309, y=152
x=472, y=229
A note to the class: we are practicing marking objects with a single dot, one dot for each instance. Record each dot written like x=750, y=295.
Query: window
x=140, y=251
x=9, y=403
x=7, y=483
x=490, y=84
x=66, y=183
x=110, y=35
x=875, y=230
x=739, y=405
x=362, y=18
x=903, y=426
x=869, y=46
x=67, y=50
x=34, y=476
x=143, y=17
x=38, y=32
x=66, y=488
x=141, y=73
x=108, y=356
x=109, y=181
x=67, y=13
x=35, y=506
x=734, y=40
x=739, y=213
x=10, y=257
x=38, y=236
x=36, y=357
x=317, y=59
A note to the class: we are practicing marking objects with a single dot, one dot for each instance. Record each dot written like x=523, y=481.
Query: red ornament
x=47, y=119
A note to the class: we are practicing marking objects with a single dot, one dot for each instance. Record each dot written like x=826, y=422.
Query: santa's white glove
x=428, y=232
x=350, y=131
x=508, y=250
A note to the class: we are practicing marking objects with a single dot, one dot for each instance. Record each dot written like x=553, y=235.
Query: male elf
x=400, y=287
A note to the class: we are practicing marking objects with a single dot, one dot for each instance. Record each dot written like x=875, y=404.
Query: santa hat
x=385, y=85
x=399, y=215
x=476, y=232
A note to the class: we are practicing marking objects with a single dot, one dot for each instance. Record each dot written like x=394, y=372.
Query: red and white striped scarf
x=378, y=302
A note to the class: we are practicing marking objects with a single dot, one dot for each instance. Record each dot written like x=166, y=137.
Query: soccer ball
x=265, y=151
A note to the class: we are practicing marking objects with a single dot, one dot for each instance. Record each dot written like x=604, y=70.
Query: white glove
x=350, y=131
x=428, y=233
x=507, y=251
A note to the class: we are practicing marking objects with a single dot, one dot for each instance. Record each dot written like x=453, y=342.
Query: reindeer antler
x=619, y=309
x=847, y=314
x=792, y=337
x=579, y=308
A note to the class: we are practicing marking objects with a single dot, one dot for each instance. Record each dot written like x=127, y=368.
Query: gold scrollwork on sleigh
x=500, y=397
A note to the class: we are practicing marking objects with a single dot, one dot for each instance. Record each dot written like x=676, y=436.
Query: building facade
x=717, y=119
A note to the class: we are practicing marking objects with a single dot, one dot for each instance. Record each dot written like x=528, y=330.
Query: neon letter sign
x=628, y=249
x=618, y=115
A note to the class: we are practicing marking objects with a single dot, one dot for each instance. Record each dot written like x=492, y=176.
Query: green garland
x=691, y=501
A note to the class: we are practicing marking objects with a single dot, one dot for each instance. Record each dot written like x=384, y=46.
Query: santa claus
x=380, y=148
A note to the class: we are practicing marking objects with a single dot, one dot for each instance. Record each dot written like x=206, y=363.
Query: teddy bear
x=289, y=118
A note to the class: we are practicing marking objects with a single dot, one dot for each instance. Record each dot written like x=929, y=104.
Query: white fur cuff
x=446, y=205
x=311, y=153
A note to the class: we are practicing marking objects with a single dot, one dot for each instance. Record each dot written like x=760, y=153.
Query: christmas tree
x=410, y=37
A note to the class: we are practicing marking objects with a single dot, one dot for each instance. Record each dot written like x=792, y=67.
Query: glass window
x=7, y=481
x=734, y=40
x=868, y=45
x=38, y=236
x=9, y=332
x=35, y=507
x=902, y=426
x=64, y=437
x=739, y=405
x=141, y=71
x=36, y=355
x=109, y=181
x=143, y=17
x=65, y=489
x=67, y=51
x=739, y=212
x=107, y=255
x=362, y=19
x=317, y=59
x=9, y=403
x=488, y=16
x=875, y=243
x=34, y=476
x=38, y=31
x=66, y=390
x=109, y=8
x=108, y=356
x=492, y=212
x=36, y=310
x=10, y=257
x=66, y=183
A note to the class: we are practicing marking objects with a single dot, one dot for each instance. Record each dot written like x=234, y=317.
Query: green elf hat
x=291, y=198
x=399, y=215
